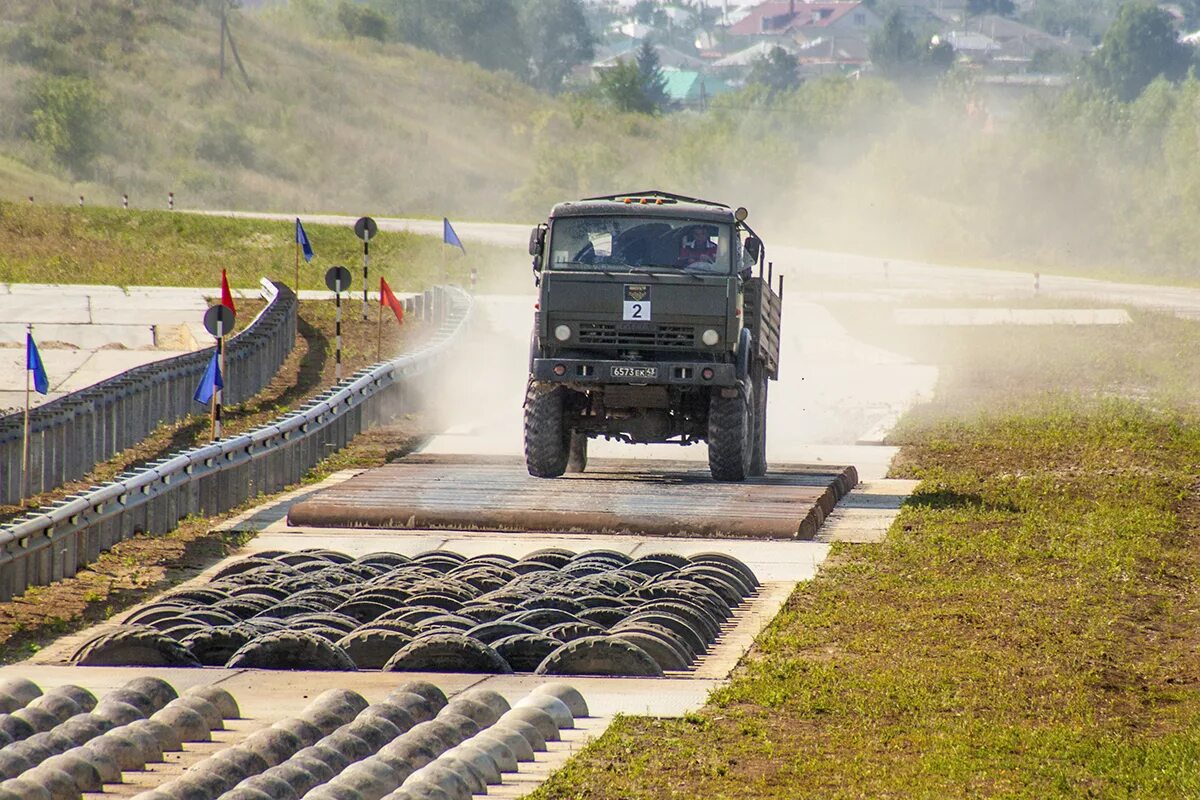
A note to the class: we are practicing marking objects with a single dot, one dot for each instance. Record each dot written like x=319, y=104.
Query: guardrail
x=54, y=543
x=70, y=435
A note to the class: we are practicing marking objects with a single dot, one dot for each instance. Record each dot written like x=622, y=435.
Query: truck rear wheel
x=730, y=434
x=577, y=452
x=758, y=457
x=547, y=437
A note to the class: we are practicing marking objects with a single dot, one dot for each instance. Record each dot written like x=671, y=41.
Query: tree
x=654, y=83
x=776, y=71
x=1140, y=46
x=898, y=53
x=66, y=114
x=486, y=32
x=362, y=21
x=622, y=86
x=894, y=49
x=1003, y=8
x=557, y=37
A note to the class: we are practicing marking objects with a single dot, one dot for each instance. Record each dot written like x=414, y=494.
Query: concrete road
x=86, y=333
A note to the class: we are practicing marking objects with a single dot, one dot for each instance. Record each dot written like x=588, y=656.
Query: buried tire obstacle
x=554, y=611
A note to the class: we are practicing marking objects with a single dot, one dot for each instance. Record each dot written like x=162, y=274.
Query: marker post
x=217, y=321
x=216, y=398
x=337, y=278
x=365, y=229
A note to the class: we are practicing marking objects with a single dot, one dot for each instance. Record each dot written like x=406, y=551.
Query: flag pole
x=25, y=437
x=297, y=268
x=379, y=329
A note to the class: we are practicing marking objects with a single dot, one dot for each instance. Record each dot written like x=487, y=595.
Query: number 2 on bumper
x=637, y=310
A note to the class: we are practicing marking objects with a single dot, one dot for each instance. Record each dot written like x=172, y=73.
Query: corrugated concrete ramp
x=663, y=498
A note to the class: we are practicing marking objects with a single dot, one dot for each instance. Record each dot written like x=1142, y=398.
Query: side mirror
x=537, y=238
x=754, y=248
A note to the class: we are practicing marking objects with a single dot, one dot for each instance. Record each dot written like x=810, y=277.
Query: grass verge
x=62, y=244
x=1028, y=628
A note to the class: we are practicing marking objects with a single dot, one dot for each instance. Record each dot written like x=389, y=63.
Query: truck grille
x=603, y=334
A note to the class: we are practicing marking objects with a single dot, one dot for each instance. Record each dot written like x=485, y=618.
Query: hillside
x=330, y=124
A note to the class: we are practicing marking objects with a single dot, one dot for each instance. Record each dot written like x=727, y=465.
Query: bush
x=66, y=119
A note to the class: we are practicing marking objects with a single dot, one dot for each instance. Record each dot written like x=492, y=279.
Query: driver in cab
x=698, y=244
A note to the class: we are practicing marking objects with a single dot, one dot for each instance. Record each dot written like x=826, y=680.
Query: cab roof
x=653, y=203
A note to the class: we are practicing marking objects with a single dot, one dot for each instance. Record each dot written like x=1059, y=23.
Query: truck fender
x=743, y=353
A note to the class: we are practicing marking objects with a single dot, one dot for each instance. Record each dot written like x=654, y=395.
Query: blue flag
x=33, y=362
x=210, y=382
x=450, y=237
x=302, y=240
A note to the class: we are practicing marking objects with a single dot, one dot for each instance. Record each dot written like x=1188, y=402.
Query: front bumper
x=677, y=373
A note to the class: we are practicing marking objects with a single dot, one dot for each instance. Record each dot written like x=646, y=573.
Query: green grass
x=1027, y=629
x=61, y=244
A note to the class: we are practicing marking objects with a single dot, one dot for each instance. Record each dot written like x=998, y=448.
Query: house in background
x=693, y=89
x=779, y=19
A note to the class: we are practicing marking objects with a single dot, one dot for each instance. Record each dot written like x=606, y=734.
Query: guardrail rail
x=55, y=542
x=70, y=435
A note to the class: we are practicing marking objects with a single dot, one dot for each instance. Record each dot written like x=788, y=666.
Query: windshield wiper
x=664, y=270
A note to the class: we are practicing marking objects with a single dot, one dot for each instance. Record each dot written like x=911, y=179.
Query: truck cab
x=652, y=326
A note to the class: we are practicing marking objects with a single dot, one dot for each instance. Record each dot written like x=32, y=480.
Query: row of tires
x=552, y=612
x=64, y=742
x=414, y=745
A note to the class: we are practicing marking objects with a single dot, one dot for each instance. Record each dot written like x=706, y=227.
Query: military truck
x=655, y=323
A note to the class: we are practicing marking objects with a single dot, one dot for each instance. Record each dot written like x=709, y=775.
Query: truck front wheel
x=547, y=436
x=730, y=434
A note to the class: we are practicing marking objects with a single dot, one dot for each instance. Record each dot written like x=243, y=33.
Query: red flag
x=390, y=300
x=226, y=295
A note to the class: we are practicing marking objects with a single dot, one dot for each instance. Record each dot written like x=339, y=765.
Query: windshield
x=641, y=243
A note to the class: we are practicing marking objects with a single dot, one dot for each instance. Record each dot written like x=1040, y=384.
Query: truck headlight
x=710, y=337
x=562, y=333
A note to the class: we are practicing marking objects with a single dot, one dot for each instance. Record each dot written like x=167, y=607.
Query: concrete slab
x=867, y=512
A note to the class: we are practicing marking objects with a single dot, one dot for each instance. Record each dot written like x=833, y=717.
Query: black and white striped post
x=170, y=201
x=81, y=201
x=216, y=426
x=337, y=279
x=125, y=201
x=218, y=320
x=365, y=229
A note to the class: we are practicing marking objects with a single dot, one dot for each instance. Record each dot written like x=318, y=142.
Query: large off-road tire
x=547, y=436
x=731, y=434
x=577, y=452
x=133, y=646
x=291, y=650
x=600, y=655
x=758, y=455
x=447, y=652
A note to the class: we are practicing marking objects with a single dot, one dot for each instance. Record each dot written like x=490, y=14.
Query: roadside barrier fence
x=54, y=542
x=70, y=435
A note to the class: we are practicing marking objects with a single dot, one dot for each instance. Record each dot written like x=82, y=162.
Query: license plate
x=635, y=372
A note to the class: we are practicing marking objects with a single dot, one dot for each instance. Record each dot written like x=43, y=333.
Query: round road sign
x=335, y=276
x=222, y=313
x=366, y=228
